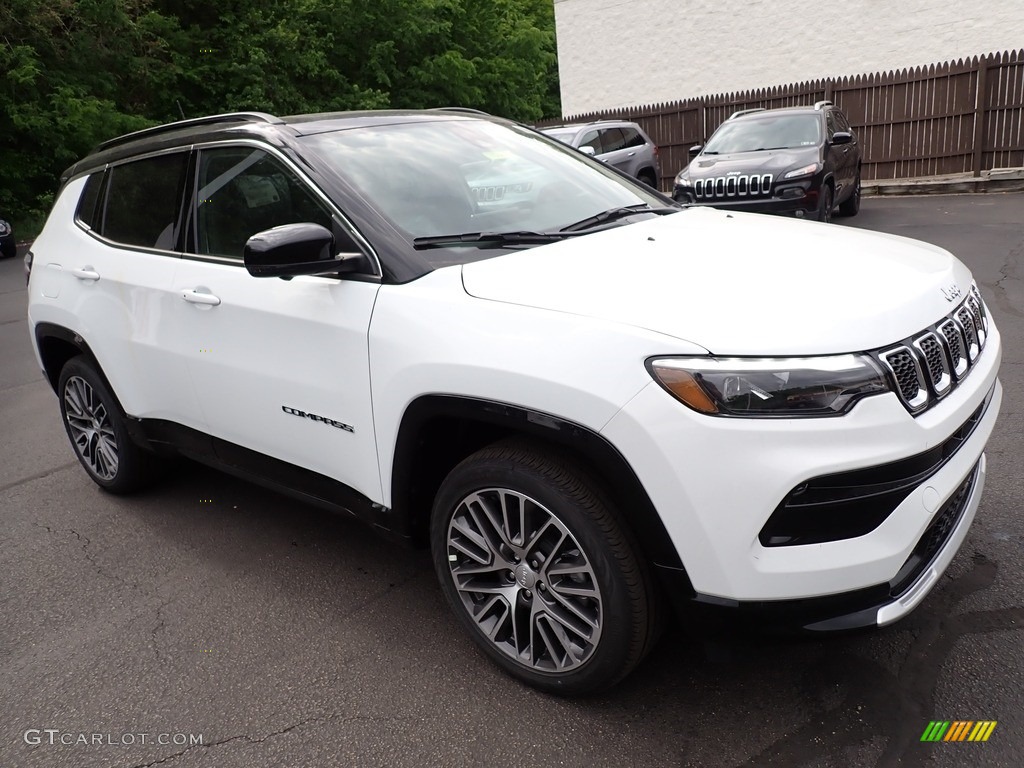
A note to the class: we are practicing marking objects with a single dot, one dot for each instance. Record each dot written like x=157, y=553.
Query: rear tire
x=538, y=569
x=647, y=177
x=97, y=429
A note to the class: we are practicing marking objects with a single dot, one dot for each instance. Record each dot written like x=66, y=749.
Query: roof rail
x=746, y=112
x=468, y=110
x=227, y=117
x=823, y=103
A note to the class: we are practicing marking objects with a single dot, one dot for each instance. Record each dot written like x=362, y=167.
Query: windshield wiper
x=486, y=238
x=616, y=213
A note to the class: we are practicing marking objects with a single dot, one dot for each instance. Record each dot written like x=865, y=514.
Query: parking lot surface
x=210, y=623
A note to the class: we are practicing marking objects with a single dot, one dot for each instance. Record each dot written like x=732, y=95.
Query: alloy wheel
x=91, y=429
x=524, y=580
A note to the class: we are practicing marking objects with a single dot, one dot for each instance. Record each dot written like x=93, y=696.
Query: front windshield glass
x=774, y=132
x=565, y=137
x=432, y=178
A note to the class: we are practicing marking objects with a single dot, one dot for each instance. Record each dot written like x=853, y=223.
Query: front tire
x=98, y=431
x=534, y=562
x=851, y=205
x=827, y=203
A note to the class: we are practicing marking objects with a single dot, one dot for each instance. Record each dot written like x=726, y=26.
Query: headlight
x=5, y=228
x=784, y=387
x=807, y=170
x=682, y=180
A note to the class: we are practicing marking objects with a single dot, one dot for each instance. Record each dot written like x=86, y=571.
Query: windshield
x=565, y=137
x=775, y=132
x=448, y=177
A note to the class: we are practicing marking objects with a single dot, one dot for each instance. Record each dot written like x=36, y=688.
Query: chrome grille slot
x=955, y=344
x=936, y=364
x=909, y=377
x=733, y=186
x=966, y=319
x=977, y=314
x=930, y=364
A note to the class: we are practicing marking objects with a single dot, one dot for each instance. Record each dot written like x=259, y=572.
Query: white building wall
x=616, y=53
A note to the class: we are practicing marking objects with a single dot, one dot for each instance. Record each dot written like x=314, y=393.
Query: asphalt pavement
x=209, y=623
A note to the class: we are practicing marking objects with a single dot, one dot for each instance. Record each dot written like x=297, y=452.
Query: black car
x=8, y=248
x=798, y=161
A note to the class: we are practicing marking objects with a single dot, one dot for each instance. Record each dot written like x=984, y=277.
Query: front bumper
x=797, y=198
x=716, y=482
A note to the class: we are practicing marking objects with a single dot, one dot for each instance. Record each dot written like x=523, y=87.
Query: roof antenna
x=180, y=109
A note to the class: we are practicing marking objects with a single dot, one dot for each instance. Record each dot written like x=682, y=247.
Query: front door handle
x=86, y=273
x=200, y=296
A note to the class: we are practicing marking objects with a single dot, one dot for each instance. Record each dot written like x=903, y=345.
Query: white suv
x=588, y=401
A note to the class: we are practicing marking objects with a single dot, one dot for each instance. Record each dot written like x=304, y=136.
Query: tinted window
x=633, y=137
x=592, y=139
x=243, y=191
x=842, y=123
x=143, y=200
x=830, y=121
x=612, y=139
x=86, y=212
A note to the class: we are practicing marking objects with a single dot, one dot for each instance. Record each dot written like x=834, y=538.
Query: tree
x=75, y=73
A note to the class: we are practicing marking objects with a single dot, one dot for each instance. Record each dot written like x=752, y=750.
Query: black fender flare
x=604, y=458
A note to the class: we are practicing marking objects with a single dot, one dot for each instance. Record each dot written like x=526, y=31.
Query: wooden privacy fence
x=961, y=116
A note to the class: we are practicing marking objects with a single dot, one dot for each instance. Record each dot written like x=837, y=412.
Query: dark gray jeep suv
x=800, y=161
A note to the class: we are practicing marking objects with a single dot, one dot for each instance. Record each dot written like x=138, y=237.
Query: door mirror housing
x=842, y=137
x=586, y=149
x=298, y=249
x=694, y=150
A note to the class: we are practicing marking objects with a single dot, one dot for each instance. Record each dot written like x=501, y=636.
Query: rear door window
x=143, y=201
x=612, y=139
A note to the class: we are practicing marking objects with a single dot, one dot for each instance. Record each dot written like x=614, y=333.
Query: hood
x=735, y=283
x=773, y=161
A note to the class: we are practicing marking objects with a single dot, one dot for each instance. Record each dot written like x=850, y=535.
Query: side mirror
x=842, y=137
x=297, y=249
x=588, y=150
x=695, y=150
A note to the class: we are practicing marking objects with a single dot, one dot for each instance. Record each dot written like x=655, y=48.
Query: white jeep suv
x=588, y=401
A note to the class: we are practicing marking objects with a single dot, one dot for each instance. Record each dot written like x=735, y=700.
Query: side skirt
x=169, y=437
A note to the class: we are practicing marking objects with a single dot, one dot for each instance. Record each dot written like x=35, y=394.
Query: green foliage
x=76, y=72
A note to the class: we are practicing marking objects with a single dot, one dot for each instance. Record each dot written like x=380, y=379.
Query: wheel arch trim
x=608, y=462
x=44, y=331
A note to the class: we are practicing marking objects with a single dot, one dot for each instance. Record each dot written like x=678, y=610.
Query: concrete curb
x=997, y=180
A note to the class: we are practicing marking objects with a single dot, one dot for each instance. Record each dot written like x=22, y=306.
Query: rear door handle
x=200, y=296
x=86, y=273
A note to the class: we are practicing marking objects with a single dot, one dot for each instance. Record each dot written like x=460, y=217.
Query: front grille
x=936, y=535
x=722, y=187
x=930, y=364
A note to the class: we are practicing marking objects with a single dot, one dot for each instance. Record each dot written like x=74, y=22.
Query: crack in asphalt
x=876, y=699
x=160, y=625
x=91, y=557
x=37, y=476
x=260, y=739
x=1008, y=272
x=133, y=585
